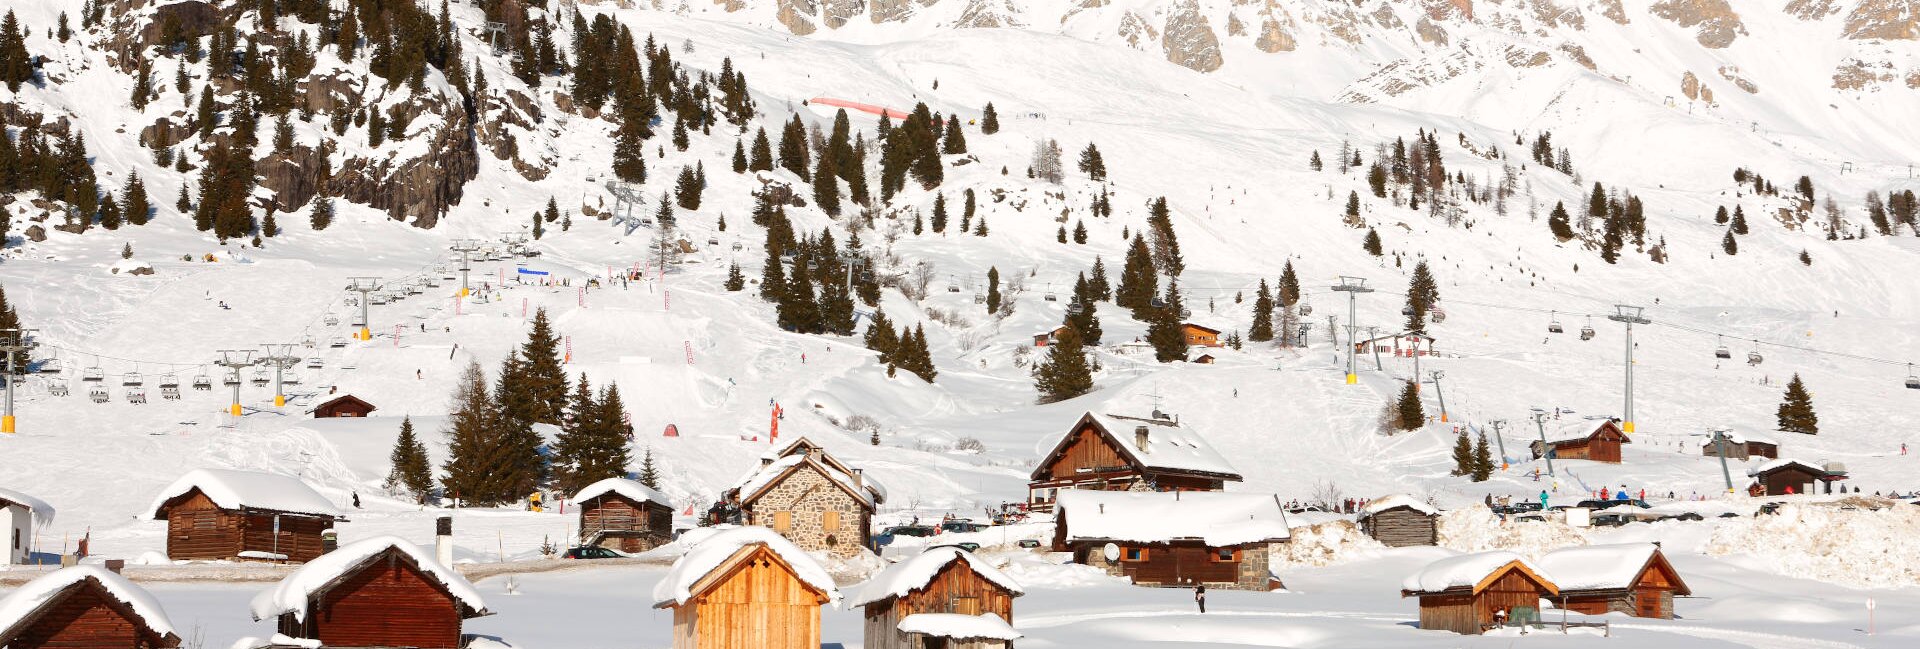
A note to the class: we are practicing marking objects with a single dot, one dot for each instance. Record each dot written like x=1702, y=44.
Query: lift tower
x=364, y=285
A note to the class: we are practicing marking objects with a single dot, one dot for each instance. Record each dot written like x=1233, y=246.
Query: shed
x=1200, y=335
x=217, y=514
x=624, y=515
x=1173, y=538
x=1631, y=578
x=1598, y=440
x=745, y=587
x=1118, y=453
x=345, y=405
x=1048, y=337
x=1789, y=476
x=810, y=497
x=381, y=592
x=1461, y=593
x=1741, y=446
x=83, y=607
x=944, y=597
x=1399, y=521
x=19, y=515
x=1203, y=358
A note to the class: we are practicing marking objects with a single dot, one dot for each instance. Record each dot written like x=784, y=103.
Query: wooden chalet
x=1399, y=521
x=1118, y=453
x=1175, y=538
x=1200, y=335
x=971, y=600
x=223, y=514
x=1462, y=593
x=1741, y=446
x=381, y=592
x=19, y=515
x=1789, y=476
x=621, y=514
x=745, y=587
x=1597, y=440
x=1631, y=578
x=83, y=607
x=345, y=405
x=1048, y=337
x=810, y=497
x=1401, y=345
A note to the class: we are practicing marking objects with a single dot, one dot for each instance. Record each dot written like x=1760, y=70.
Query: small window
x=966, y=605
x=782, y=521
x=1226, y=555
x=830, y=520
x=1134, y=554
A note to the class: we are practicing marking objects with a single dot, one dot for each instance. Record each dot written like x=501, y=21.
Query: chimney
x=1140, y=438
x=859, y=479
x=443, y=540
x=115, y=565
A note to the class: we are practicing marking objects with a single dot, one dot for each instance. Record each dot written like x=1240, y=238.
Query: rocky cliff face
x=1189, y=40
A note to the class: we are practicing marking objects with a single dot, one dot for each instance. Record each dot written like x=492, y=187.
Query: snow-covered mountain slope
x=1229, y=150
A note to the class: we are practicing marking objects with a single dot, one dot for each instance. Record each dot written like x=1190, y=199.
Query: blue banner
x=524, y=271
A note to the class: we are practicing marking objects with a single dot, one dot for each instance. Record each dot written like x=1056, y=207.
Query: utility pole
x=13, y=342
x=465, y=247
x=1631, y=316
x=1720, y=447
x=1502, y=441
x=1436, y=374
x=1540, y=423
x=365, y=285
x=1353, y=287
x=280, y=362
x=234, y=359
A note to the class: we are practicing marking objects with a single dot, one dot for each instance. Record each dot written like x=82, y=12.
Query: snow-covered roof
x=1600, y=567
x=32, y=596
x=1770, y=465
x=1740, y=438
x=294, y=592
x=716, y=550
x=761, y=477
x=1215, y=518
x=804, y=445
x=1170, y=446
x=630, y=489
x=230, y=489
x=1577, y=430
x=1468, y=571
x=1396, y=501
x=955, y=625
x=41, y=511
x=915, y=573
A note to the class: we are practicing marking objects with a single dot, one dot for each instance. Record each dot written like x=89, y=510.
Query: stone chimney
x=443, y=540
x=1140, y=438
x=859, y=479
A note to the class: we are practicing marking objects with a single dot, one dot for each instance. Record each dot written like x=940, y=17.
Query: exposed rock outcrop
x=987, y=14
x=1189, y=40
x=1716, y=22
x=1884, y=19
x=797, y=16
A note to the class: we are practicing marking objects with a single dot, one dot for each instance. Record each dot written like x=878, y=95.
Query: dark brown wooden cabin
x=1399, y=526
x=198, y=528
x=1161, y=539
x=384, y=600
x=1117, y=453
x=1470, y=610
x=1783, y=477
x=85, y=614
x=613, y=518
x=957, y=588
x=1742, y=449
x=1600, y=444
x=345, y=405
x=1649, y=593
x=753, y=599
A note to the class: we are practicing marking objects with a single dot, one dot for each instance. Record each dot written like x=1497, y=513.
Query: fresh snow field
x=1229, y=152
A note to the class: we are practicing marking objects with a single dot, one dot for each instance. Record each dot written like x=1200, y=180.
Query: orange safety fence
x=865, y=108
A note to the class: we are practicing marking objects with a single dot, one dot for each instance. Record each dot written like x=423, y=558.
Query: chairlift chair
x=136, y=395
x=979, y=299
x=93, y=374
x=713, y=241
x=1553, y=324
x=99, y=395
x=1406, y=310
x=336, y=342
x=1720, y=349
x=1586, y=331
x=307, y=342
x=1076, y=308
x=290, y=377
x=58, y=386
x=1439, y=315
x=952, y=288
x=1305, y=309
x=315, y=363
x=1186, y=313
x=1051, y=298
x=50, y=365
x=130, y=379
x=332, y=320
x=1754, y=357
x=169, y=381
x=260, y=376
x=230, y=379
x=202, y=382
x=737, y=247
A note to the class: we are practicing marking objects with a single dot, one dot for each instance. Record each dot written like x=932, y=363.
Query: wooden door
x=1646, y=603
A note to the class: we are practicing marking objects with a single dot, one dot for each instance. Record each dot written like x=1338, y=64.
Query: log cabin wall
x=84, y=617
x=386, y=603
x=956, y=589
x=1401, y=527
x=299, y=536
x=630, y=526
x=198, y=529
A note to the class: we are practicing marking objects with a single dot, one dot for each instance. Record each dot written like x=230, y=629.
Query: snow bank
x=41, y=511
x=232, y=489
x=1396, y=501
x=1325, y=544
x=628, y=488
x=277, y=640
x=1598, y=566
x=1476, y=528
x=915, y=573
x=292, y=594
x=677, y=587
x=1464, y=571
x=31, y=596
x=1860, y=548
x=1213, y=517
x=954, y=625
x=1770, y=465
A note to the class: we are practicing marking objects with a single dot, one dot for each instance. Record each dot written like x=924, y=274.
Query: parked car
x=590, y=552
x=911, y=530
x=954, y=527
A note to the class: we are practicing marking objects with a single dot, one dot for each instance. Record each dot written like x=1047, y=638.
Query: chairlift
x=290, y=377
x=1553, y=323
x=1439, y=315
x=136, y=395
x=1586, y=331
x=202, y=382
x=58, y=386
x=713, y=241
x=1407, y=310
x=336, y=342
x=99, y=395
x=1051, y=298
x=1305, y=309
x=979, y=299
x=50, y=365
x=307, y=341
x=332, y=320
x=315, y=363
x=93, y=374
x=1720, y=350
x=1076, y=308
x=130, y=379
x=1186, y=313
x=952, y=288
x=1913, y=382
x=737, y=247
x=169, y=381
x=1157, y=303
x=1754, y=358
x=415, y=290
x=260, y=376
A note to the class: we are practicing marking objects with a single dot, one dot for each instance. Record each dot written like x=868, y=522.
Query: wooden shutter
x=782, y=521
x=830, y=520
x=966, y=605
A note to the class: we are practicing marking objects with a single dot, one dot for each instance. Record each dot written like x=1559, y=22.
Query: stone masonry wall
x=809, y=495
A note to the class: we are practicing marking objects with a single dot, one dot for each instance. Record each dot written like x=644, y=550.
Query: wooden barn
x=1631, y=578
x=745, y=587
x=19, y=515
x=223, y=514
x=972, y=600
x=810, y=497
x=381, y=592
x=1597, y=440
x=83, y=607
x=1789, y=476
x=1741, y=446
x=1399, y=521
x=621, y=514
x=1462, y=593
x=345, y=405
x=1200, y=335
x=1173, y=538
x=1118, y=453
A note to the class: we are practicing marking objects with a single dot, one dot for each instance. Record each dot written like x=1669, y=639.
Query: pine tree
x=1166, y=247
x=411, y=471
x=1138, y=279
x=1314, y=162
x=955, y=141
x=989, y=120
x=142, y=84
x=473, y=463
x=1353, y=206
x=735, y=281
x=1371, y=243
x=762, y=159
x=579, y=448
x=649, y=472
x=1262, y=328
x=321, y=213
x=1463, y=464
x=1739, y=220
x=270, y=227
x=126, y=250
x=1482, y=459
x=1087, y=320
x=939, y=221
x=16, y=65
x=630, y=149
x=993, y=290
x=680, y=142
x=1163, y=327
x=1065, y=373
x=1796, y=414
x=544, y=378
x=980, y=226
x=1422, y=294
x=739, y=157
x=793, y=148
x=688, y=188
x=1091, y=163
x=1558, y=222
x=1411, y=415
x=139, y=208
x=1097, y=286
x=1729, y=245
x=184, y=203
x=1720, y=216
x=1079, y=232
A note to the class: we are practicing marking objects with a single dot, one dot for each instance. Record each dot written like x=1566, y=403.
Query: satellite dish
x=1111, y=552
